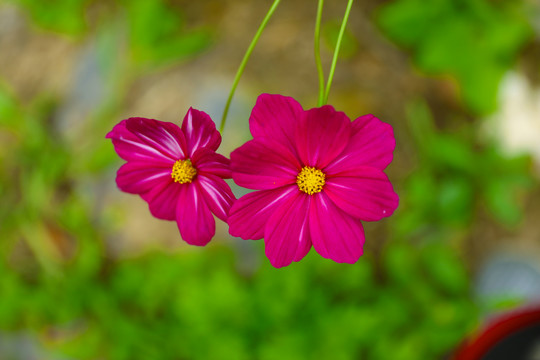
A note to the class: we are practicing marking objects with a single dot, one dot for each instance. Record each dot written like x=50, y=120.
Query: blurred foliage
x=457, y=177
x=475, y=41
x=157, y=32
x=197, y=306
x=57, y=280
x=64, y=16
x=157, y=35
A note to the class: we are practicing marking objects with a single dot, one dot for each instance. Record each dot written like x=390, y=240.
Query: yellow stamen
x=183, y=171
x=310, y=180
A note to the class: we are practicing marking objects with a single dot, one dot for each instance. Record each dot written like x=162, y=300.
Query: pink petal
x=322, y=135
x=138, y=177
x=364, y=193
x=166, y=137
x=163, y=198
x=217, y=194
x=193, y=216
x=250, y=213
x=131, y=148
x=287, y=234
x=372, y=144
x=208, y=162
x=262, y=164
x=200, y=131
x=335, y=235
x=275, y=116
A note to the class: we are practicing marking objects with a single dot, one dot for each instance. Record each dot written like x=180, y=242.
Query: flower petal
x=250, y=213
x=287, y=234
x=275, y=116
x=200, y=131
x=335, y=234
x=263, y=164
x=209, y=162
x=365, y=193
x=136, y=177
x=372, y=144
x=166, y=137
x=131, y=148
x=217, y=194
x=163, y=198
x=193, y=216
x=321, y=135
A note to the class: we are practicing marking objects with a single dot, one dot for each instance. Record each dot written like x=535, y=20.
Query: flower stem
x=244, y=62
x=318, y=53
x=336, y=51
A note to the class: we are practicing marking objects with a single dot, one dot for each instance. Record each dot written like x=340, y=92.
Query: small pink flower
x=176, y=171
x=319, y=175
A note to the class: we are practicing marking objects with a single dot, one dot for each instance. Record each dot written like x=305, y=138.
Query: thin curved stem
x=336, y=51
x=318, y=53
x=244, y=62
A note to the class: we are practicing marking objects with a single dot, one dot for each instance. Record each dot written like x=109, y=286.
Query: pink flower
x=318, y=175
x=176, y=171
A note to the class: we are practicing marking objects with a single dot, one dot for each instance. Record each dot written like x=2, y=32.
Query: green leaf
x=464, y=39
x=445, y=269
x=502, y=202
x=456, y=198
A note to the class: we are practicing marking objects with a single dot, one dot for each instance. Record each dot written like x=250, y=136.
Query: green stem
x=336, y=51
x=318, y=53
x=245, y=60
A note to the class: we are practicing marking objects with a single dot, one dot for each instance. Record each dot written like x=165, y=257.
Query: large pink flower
x=176, y=171
x=318, y=175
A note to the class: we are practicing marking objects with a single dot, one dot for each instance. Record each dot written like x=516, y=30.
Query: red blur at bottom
x=513, y=335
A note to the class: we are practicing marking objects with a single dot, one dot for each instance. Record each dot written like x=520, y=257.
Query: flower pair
x=317, y=174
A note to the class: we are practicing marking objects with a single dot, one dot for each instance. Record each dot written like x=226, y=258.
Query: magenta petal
x=163, y=198
x=372, y=144
x=262, y=164
x=131, y=148
x=200, y=131
x=166, y=137
x=287, y=234
x=275, y=116
x=335, y=235
x=250, y=213
x=365, y=193
x=322, y=134
x=208, y=162
x=137, y=177
x=194, y=218
x=217, y=194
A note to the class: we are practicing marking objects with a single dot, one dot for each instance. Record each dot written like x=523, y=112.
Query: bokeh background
x=87, y=273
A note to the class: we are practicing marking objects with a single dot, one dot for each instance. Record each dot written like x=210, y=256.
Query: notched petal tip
x=372, y=144
x=365, y=193
x=200, y=131
x=117, y=130
x=335, y=234
x=217, y=194
x=275, y=116
x=194, y=217
x=287, y=235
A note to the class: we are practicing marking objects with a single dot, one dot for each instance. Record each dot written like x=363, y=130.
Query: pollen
x=310, y=180
x=183, y=171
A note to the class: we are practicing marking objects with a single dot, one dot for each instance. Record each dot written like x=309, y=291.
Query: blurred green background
x=87, y=273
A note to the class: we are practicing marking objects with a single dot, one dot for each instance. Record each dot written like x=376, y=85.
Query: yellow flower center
x=183, y=171
x=310, y=180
